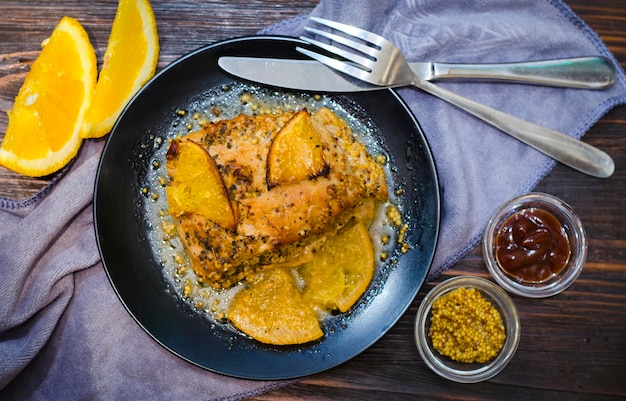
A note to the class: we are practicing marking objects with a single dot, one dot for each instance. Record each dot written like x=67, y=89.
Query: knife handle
x=579, y=72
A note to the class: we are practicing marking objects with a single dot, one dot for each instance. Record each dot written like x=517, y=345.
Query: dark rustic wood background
x=573, y=346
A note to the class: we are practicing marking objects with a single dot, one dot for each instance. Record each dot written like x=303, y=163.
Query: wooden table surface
x=573, y=346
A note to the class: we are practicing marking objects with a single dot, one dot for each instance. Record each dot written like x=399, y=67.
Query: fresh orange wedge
x=44, y=131
x=130, y=60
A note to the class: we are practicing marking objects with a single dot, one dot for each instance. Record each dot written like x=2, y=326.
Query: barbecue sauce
x=532, y=245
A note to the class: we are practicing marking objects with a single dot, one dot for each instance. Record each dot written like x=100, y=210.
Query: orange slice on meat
x=295, y=153
x=197, y=186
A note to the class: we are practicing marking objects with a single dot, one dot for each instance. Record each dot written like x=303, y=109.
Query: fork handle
x=565, y=149
x=578, y=72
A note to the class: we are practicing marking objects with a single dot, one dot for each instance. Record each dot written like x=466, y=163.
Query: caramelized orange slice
x=295, y=153
x=341, y=270
x=271, y=311
x=196, y=185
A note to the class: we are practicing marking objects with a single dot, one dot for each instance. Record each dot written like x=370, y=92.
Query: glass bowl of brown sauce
x=535, y=245
x=467, y=329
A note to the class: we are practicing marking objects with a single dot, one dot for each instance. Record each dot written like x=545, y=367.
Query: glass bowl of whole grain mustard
x=535, y=245
x=467, y=329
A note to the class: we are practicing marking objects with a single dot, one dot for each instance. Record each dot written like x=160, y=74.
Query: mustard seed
x=466, y=327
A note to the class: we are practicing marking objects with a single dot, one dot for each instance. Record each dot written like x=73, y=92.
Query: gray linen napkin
x=65, y=335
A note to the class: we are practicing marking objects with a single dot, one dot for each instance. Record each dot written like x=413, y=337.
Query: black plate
x=135, y=272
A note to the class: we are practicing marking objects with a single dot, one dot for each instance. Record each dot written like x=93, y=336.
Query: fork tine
x=340, y=52
x=351, y=30
x=338, y=65
x=365, y=49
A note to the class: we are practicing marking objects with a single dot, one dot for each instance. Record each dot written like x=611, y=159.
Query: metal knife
x=310, y=75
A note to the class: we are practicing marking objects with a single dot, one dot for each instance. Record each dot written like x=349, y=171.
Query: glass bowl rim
x=578, y=238
x=510, y=317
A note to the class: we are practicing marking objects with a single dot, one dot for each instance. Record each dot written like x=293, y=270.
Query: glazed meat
x=282, y=222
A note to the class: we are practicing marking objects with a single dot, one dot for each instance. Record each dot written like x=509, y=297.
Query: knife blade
x=310, y=75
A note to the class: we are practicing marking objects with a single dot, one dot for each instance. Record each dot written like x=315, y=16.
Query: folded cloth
x=65, y=335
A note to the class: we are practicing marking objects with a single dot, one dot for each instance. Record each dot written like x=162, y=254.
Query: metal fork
x=374, y=59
